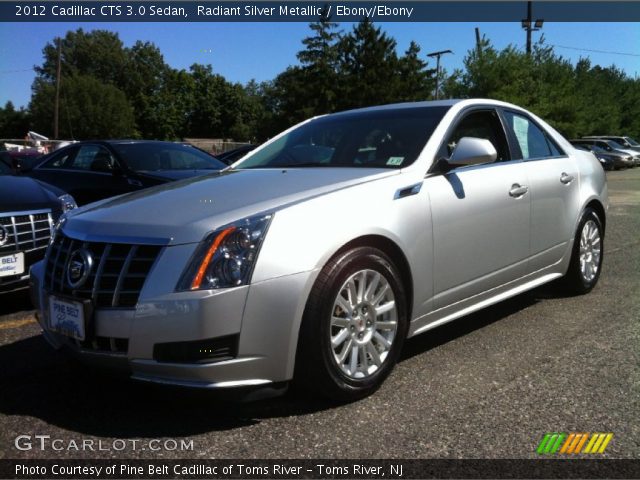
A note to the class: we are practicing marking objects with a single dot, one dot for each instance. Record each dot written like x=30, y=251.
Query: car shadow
x=36, y=381
x=15, y=302
x=469, y=323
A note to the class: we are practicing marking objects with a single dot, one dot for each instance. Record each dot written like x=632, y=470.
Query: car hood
x=184, y=211
x=24, y=193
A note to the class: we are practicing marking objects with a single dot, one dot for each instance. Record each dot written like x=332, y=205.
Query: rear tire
x=354, y=326
x=587, y=254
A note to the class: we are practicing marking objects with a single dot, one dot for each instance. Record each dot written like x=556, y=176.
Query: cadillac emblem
x=79, y=267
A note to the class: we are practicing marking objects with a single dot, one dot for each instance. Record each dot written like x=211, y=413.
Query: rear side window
x=532, y=141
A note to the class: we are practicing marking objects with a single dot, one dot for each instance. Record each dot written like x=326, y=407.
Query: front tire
x=587, y=254
x=354, y=326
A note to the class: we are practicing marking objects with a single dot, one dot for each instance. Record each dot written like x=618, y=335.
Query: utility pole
x=57, y=102
x=438, y=55
x=478, y=44
x=528, y=27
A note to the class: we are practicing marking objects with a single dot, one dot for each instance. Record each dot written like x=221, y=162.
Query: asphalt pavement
x=489, y=385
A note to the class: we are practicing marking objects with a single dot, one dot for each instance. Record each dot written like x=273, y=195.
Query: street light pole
x=529, y=26
x=438, y=55
x=56, y=107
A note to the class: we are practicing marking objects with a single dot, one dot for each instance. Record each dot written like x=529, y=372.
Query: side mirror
x=473, y=151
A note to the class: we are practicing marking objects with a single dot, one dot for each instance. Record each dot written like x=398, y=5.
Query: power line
x=16, y=71
x=596, y=51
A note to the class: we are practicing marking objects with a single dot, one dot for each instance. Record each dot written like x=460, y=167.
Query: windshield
x=632, y=142
x=152, y=157
x=616, y=145
x=385, y=138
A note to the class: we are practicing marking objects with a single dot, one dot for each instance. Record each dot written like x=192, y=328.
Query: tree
x=88, y=109
x=98, y=53
x=416, y=82
x=14, y=123
x=368, y=67
x=145, y=75
x=319, y=62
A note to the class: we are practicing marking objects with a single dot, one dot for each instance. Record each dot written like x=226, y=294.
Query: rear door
x=554, y=182
x=480, y=215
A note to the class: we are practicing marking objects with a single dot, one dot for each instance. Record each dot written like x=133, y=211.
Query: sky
x=244, y=51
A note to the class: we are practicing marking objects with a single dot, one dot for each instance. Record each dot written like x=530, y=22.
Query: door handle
x=518, y=190
x=566, y=178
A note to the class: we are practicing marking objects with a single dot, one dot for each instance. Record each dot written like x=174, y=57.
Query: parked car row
x=35, y=190
x=613, y=152
x=317, y=254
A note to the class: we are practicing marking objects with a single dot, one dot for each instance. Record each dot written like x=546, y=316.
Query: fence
x=213, y=145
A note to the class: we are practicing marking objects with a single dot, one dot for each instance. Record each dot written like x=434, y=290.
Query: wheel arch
x=394, y=252
x=596, y=205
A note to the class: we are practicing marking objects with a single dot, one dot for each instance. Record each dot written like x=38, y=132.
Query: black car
x=93, y=170
x=231, y=156
x=610, y=160
x=28, y=210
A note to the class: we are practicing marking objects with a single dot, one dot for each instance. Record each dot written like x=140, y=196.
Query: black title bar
x=313, y=469
x=300, y=11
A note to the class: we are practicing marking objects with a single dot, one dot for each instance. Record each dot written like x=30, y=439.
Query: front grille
x=116, y=278
x=26, y=232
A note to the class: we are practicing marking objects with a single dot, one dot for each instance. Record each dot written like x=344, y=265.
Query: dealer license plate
x=67, y=317
x=12, y=264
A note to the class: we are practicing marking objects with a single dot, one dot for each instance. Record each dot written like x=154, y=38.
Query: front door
x=480, y=216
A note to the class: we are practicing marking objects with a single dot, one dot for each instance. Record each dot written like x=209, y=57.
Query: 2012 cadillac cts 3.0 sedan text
x=315, y=256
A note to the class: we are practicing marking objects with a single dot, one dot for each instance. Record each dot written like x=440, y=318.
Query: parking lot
x=487, y=386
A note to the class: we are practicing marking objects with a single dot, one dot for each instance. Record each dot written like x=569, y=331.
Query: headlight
x=226, y=257
x=67, y=202
x=55, y=228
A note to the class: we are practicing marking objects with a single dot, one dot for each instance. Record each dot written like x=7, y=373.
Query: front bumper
x=14, y=283
x=264, y=318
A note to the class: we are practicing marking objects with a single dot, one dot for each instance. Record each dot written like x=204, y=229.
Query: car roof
x=432, y=103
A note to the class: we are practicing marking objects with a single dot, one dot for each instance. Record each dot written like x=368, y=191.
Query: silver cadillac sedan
x=314, y=257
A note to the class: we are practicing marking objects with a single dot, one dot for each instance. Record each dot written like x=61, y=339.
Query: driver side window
x=483, y=124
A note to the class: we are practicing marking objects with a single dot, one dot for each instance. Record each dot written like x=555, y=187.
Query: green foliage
x=368, y=67
x=580, y=100
x=14, y=123
x=112, y=90
x=342, y=71
x=88, y=109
